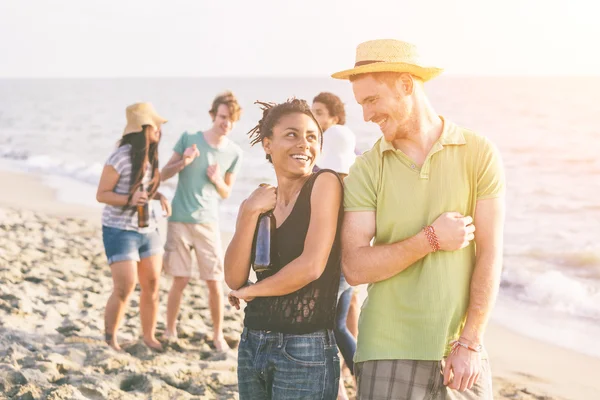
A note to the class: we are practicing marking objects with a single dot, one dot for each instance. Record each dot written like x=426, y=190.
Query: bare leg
x=215, y=296
x=174, y=303
x=149, y=272
x=123, y=274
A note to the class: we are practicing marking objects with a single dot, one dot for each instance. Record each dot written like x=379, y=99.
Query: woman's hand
x=235, y=296
x=139, y=198
x=262, y=199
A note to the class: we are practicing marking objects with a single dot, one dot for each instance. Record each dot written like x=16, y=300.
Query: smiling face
x=386, y=103
x=294, y=145
x=152, y=134
x=222, y=120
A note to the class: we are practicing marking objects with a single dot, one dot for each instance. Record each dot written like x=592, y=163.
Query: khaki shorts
x=204, y=240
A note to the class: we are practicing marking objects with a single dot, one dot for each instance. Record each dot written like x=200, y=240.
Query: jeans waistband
x=327, y=334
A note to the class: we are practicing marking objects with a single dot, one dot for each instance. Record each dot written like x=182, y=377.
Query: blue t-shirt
x=196, y=199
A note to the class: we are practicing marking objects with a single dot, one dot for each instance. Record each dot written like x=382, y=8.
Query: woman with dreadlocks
x=130, y=179
x=287, y=349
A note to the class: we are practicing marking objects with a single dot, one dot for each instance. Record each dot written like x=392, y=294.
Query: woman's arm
x=105, y=193
x=325, y=204
x=237, y=256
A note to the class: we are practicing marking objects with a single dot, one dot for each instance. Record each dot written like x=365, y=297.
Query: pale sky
x=195, y=38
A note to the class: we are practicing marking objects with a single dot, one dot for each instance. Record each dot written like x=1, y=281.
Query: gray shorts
x=415, y=379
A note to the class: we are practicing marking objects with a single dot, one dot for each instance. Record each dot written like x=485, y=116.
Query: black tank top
x=312, y=307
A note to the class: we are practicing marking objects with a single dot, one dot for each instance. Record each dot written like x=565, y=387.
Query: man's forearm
x=222, y=188
x=485, y=282
x=383, y=261
x=171, y=169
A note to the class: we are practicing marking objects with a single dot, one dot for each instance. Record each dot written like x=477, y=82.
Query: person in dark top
x=287, y=349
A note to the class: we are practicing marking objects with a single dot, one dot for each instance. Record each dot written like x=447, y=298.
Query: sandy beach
x=54, y=282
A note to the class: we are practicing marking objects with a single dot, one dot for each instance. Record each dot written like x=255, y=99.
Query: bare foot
x=111, y=340
x=170, y=337
x=153, y=344
x=220, y=343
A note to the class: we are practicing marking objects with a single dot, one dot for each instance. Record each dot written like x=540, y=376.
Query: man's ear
x=406, y=83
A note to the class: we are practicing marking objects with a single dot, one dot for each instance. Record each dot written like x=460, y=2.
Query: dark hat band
x=366, y=62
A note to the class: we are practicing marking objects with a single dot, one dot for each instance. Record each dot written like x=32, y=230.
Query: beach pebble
x=10, y=378
x=29, y=392
x=65, y=392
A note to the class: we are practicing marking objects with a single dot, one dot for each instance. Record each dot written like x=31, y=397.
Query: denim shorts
x=281, y=366
x=123, y=245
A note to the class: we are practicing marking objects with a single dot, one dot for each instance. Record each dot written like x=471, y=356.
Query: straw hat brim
x=134, y=127
x=425, y=73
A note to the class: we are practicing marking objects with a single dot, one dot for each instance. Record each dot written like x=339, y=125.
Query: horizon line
x=311, y=76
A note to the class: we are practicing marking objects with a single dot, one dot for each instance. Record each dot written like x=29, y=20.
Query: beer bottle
x=263, y=249
x=143, y=212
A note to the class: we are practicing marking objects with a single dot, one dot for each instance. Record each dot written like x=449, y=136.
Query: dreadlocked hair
x=272, y=113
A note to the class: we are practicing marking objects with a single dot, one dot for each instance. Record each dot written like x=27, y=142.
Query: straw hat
x=389, y=55
x=140, y=114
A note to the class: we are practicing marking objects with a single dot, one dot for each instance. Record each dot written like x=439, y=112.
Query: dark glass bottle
x=263, y=247
x=143, y=212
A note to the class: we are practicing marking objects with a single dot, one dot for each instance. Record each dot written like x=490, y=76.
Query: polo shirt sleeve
x=490, y=172
x=360, y=193
x=181, y=144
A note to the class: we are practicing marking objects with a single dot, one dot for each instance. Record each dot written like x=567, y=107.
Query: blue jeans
x=280, y=366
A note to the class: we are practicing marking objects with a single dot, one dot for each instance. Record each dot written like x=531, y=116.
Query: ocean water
x=545, y=129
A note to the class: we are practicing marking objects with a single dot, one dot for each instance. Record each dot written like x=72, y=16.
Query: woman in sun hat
x=130, y=179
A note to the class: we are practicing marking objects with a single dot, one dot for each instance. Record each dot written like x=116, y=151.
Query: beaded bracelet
x=432, y=237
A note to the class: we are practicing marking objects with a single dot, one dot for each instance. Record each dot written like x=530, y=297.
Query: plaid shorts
x=415, y=379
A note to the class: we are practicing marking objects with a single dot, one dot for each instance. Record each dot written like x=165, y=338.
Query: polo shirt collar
x=451, y=135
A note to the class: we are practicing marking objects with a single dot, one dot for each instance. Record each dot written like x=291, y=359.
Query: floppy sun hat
x=389, y=55
x=140, y=114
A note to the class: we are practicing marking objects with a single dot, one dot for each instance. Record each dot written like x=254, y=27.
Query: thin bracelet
x=457, y=343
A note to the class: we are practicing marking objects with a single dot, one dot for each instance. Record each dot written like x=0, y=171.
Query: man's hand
x=214, y=173
x=190, y=154
x=462, y=369
x=453, y=231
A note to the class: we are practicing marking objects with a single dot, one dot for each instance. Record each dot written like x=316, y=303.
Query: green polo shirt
x=416, y=313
